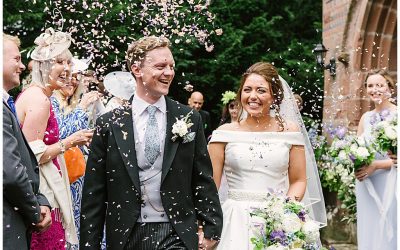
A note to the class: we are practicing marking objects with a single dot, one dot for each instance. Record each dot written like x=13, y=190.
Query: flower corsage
x=181, y=128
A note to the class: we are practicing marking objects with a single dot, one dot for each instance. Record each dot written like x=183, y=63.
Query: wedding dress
x=377, y=203
x=255, y=163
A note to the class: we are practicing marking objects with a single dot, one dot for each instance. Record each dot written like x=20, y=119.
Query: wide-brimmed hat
x=120, y=84
x=50, y=44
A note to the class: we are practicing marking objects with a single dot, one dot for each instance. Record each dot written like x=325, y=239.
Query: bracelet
x=62, y=146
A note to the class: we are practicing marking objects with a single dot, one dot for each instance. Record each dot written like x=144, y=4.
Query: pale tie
x=151, y=137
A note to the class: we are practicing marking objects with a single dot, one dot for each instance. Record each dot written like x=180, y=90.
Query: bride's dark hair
x=270, y=74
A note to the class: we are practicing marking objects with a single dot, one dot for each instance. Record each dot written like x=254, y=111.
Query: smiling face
x=155, y=74
x=378, y=89
x=233, y=109
x=256, y=96
x=59, y=74
x=12, y=65
x=69, y=89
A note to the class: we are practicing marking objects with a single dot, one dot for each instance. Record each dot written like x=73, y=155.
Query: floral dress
x=69, y=124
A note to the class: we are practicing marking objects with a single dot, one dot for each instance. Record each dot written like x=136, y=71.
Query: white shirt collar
x=141, y=105
x=5, y=96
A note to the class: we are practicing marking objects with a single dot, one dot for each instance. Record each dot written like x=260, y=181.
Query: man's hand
x=204, y=243
x=45, y=220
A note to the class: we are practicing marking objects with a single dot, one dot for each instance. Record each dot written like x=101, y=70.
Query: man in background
x=196, y=102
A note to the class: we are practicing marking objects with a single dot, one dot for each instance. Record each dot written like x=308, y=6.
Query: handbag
x=75, y=162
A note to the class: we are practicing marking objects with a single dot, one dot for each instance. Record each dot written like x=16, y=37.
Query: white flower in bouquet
x=353, y=147
x=291, y=223
x=257, y=226
x=362, y=152
x=277, y=247
x=361, y=141
x=390, y=132
x=343, y=155
x=311, y=231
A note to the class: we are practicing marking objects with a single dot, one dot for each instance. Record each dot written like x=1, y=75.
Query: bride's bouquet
x=385, y=133
x=283, y=223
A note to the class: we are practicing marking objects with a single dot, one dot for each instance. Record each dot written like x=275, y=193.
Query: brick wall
x=363, y=33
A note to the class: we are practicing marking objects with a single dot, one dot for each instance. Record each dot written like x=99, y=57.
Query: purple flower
x=278, y=236
x=341, y=132
x=384, y=114
x=352, y=157
x=374, y=119
x=302, y=215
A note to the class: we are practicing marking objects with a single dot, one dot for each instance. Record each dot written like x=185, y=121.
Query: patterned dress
x=54, y=237
x=69, y=124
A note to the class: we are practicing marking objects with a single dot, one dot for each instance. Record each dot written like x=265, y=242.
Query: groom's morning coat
x=111, y=193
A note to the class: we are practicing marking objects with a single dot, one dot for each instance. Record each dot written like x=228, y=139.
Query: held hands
x=80, y=138
x=365, y=172
x=393, y=157
x=45, y=220
x=204, y=243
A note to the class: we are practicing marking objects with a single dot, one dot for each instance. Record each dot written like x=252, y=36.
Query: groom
x=149, y=176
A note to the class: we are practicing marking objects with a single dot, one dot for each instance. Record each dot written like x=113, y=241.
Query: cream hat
x=120, y=84
x=50, y=44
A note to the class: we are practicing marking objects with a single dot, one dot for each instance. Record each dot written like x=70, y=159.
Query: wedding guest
x=151, y=185
x=70, y=112
x=261, y=153
x=51, y=70
x=231, y=108
x=376, y=183
x=196, y=102
x=24, y=207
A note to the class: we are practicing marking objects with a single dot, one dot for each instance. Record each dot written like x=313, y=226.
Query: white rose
x=343, y=155
x=361, y=141
x=180, y=128
x=291, y=223
x=311, y=231
x=353, y=147
x=362, y=152
x=277, y=247
x=390, y=132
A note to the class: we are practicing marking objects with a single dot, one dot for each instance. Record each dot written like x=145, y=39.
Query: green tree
x=253, y=30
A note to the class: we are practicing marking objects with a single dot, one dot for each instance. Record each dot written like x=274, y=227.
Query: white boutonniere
x=181, y=128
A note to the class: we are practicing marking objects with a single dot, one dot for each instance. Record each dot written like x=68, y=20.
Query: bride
x=265, y=152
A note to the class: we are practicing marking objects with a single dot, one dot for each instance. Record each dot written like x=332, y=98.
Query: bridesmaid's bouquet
x=283, y=223
x=351, y=151
x=385, y=133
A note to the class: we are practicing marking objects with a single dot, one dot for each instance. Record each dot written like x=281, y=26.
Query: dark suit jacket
x=21, y=197
x=111, y=193
x=205, y=117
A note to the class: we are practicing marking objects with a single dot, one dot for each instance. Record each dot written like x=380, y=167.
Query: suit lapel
x=124, y=136
x=170, y=147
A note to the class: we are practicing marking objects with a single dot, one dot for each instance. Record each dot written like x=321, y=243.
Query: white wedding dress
x=255, y=163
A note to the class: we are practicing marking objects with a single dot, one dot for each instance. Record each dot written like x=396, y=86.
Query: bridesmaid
x=51, y=71
x=376, y=183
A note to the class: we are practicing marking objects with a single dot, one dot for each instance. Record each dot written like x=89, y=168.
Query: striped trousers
x=154, y=236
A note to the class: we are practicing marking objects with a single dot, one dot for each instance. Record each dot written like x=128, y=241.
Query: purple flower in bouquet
x=384, y=114
x=341, y=132
x=352, y=157
x=278, y=236
x=302, y=215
